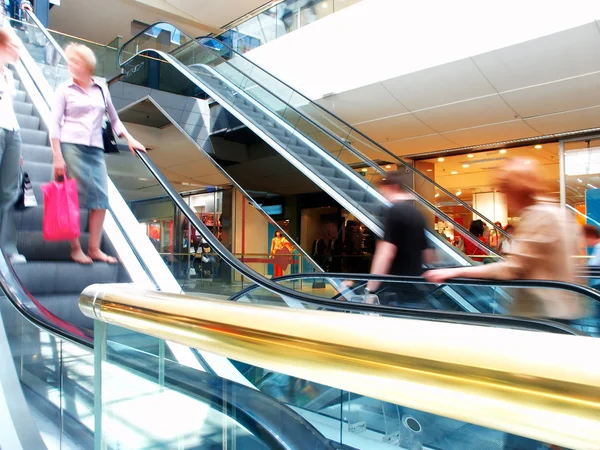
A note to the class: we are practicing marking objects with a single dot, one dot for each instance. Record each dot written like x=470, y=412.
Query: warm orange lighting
x=538, y=146
x=440, y=159
x=466, y=166
x=453, y=173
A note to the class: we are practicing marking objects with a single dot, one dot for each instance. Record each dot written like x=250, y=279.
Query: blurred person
x=404, y=248
x=592, y=239
x=76, y=136
x=472, y=249
x=542, y=247
x=543, y=244
x=506, y=242
x=10, y=148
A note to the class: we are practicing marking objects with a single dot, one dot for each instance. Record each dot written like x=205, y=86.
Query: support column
x=42, y=11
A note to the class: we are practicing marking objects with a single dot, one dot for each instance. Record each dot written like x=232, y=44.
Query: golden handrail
x=538, y=385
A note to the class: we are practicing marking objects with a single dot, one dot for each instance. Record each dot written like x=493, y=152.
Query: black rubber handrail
x=340, y=141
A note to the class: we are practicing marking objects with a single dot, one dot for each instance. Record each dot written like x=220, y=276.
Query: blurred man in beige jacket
x=545, y=240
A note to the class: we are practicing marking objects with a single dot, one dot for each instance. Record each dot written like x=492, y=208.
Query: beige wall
x=103, y=20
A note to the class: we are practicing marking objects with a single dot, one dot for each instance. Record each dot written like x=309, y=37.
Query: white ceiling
x=543, y=86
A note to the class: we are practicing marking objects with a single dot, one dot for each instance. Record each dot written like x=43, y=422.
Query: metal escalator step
x=357, y=196
x=17, y=84
x=28, y=121
x=21, y=96
x=326, y=172
x=38, y=171
x=36, y=153
x=30, y=219
x=32, y=245
x=298, y=150
x=313, y=161
x=34, y=137
x=341, y=183
x=66, y=307
x=64, y=277
x=23, y=108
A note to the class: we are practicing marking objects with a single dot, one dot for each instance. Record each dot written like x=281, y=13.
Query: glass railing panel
x=279, y=20
x=57, y=378
x=162, y=36
x=137, y=387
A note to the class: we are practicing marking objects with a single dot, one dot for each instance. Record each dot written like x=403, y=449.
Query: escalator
x=312, y=140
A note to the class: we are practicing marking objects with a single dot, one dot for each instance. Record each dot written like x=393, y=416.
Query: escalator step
x=64, y=277
x=66, y=307
x=32, y=245
x=313, y=162
x=23, y=108
x=37, y=153
x=21, y=96
x=30, y=219
x=298, y=150
x=326, y=172
x=28, y=121
x=38, y=171
x=34, y=137
x=341, y=183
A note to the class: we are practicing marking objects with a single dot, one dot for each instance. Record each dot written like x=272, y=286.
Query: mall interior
x=237, y=315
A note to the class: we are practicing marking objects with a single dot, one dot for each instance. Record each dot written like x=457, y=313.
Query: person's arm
x=55, y=126
x=118, y=126
x=385, y=252
x=527, y=251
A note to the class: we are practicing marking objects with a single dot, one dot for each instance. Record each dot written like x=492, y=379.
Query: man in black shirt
x=403, y=249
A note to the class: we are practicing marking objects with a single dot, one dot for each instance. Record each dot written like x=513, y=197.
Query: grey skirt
x=87, y=165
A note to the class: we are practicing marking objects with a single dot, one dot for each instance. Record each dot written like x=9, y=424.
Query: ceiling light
x=440, y=159
x=454, y=173
x=527, y=162
x=503, y=151
x=466, y=166
x=458, y=193
x=436, y=195
x=470, y=155
x=429, y=170
x=325, y=5
x=538, y=146
x=144, y=179
x=363, y=170
x=388, y=167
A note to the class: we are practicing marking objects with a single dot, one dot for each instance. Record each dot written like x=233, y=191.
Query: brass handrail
x=538, y=385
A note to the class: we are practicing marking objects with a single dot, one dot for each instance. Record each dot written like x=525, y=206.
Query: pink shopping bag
x=61, y=210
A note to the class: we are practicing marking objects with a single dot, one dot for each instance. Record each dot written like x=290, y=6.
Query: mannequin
x=280, y=246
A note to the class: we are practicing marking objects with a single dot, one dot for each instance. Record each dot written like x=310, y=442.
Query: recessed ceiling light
x=538, y=146
x=436, y=195
x=458, y=193
x=144, y=179
x=440, y=159
x=363, y=170
x=454, y=173
x=429, y=170
x=527, y=162
x=388, y=167
x=325, y=5
x=470, y=155
x=503, y=151
x=466, y=166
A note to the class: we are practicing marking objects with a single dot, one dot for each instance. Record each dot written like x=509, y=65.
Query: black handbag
x=108, y=135
x=26, y=198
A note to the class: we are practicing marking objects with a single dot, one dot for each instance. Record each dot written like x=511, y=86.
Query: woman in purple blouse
x=76, y=136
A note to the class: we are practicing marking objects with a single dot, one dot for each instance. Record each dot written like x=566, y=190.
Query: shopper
x=506, y=242
x=473, y=248
x=543, y=245
x=592, y=239
x=76, y=135
x=10, y=149
x=403, y=249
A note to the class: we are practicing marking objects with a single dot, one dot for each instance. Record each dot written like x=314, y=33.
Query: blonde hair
x=83, y=53
x=521, y=175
